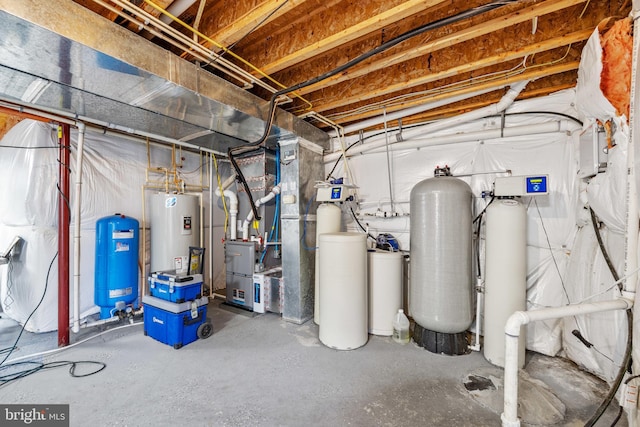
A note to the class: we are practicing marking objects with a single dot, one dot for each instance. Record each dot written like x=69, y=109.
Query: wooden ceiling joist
x=349, y=34
x=259, y=16
x=452, y=39
x=531, y=49
x=527, y=75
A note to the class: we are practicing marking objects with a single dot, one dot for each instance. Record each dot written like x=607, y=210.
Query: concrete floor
x=262, y=371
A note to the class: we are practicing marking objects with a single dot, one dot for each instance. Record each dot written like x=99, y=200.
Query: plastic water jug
x=401, y=328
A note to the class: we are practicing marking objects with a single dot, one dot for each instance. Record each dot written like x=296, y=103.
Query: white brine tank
x=343, y=295
x=441, y=290
x=175, y=225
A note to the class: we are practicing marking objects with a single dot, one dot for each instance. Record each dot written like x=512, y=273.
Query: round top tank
x=175, y=226
x=116, y=265
x=441, y=296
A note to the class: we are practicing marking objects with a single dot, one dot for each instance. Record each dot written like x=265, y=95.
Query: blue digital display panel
x=336, y=192
x=536, y=184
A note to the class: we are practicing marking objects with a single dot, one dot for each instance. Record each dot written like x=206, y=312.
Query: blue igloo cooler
x=175, y=287
x=176, y=324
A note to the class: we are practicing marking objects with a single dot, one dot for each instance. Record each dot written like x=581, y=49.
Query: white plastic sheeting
x=588, y=277
x=564, y=262
x=551, y=218
x=113, y=175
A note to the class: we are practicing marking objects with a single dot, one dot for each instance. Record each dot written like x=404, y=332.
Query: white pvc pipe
x=227, y=182
x=456, y=138
x=76, y=233
x=245, y=225
x=509, y=415
x=410, y=111
x=177, y=8
x=210, y=225
x=489, y=110
x=233, y=210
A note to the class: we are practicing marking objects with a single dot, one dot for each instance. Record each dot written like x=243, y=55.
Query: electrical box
x=532, y=185
x=593, y=152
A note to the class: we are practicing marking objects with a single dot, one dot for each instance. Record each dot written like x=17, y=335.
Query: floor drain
x=476, y=382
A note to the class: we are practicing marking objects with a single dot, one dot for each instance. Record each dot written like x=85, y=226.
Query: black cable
x=478, y=242
x=566, y=116
x=342, y=155
x=479, y=216
x=358, y=222
x=627, y=355
x=618, y=380
x=617, y=418
x=35, y=367
x=46, y=284
x=603, y=249
x=244, y=183
x=469, y=13
x=422, y=124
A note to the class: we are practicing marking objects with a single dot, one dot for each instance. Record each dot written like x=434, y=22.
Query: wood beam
x=454, y=38
x=529, y=75
x=521, y=52
x=461, y=107
x=350, y=34
x=237, y=29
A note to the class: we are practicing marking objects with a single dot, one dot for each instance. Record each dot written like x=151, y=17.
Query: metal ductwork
x=60, y=57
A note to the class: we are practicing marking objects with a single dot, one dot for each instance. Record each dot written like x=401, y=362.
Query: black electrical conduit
x=384, y=46
x=627, y=355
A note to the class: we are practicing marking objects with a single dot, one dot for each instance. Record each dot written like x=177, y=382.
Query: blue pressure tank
x=116, y=269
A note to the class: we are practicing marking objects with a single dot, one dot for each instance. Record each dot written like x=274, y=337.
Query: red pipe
x=64, y=218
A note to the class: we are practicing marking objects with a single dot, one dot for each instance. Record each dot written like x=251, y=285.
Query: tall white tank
x=328, y=220
x=343, y=299
x=175, y=225
x=441, y=289
x=385, y=290
x=505, y=289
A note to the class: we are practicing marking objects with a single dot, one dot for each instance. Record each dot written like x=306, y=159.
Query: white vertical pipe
x=76, y=233
x=509, y=415
x=233, y=210
x=211, y=225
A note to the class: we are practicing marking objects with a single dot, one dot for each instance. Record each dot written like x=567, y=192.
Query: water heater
x=175, y=225
x=116, y=269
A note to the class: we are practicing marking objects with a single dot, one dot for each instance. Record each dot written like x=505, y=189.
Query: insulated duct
x=51, y=60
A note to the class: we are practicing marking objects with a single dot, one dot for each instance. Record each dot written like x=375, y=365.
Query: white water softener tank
x=328, y=220
x=385, y=290
x=175, y=225
x=441, y=291
x=505, y=289
x=343, y=295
